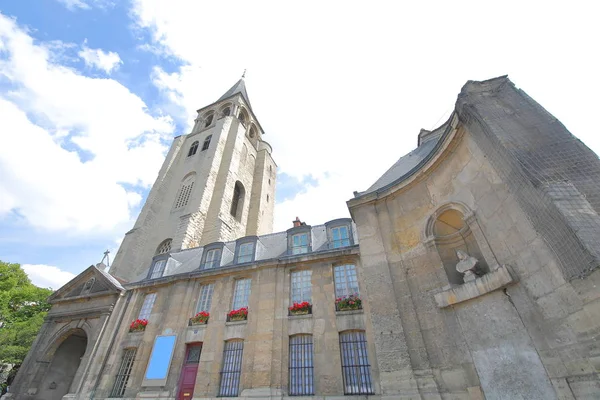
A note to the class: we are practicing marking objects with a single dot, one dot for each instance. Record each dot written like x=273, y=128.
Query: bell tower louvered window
x=185, y=191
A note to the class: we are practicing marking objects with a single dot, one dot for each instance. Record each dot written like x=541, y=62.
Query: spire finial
x=244, y=74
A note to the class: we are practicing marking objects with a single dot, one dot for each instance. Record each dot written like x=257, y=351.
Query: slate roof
x=239, y=87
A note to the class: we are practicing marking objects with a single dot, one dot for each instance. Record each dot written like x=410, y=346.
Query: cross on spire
x=244, y=74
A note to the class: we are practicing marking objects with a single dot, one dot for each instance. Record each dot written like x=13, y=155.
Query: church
x=468, y=270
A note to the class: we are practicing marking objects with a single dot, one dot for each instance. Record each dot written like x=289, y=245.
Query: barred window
x=193, y=149
x=123, y=373
x=158, y=269
x=206, y=292
x=213, y=259
x=301, y=366
x=245, y=253
x=146, y=309
x=232, y=368
x=346, y=282
x=340, y=236
x=241, y=293
x=355, y=363
x=301, y=286
x=300, y=243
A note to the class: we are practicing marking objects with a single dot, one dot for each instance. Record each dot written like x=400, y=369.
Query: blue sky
x=93, y=91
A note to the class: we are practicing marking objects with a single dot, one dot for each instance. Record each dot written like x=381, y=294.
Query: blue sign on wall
x=158, y=367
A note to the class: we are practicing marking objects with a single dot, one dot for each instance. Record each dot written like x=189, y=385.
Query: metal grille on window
x=340, y=236
x=300, y=243
x=301, y=365
x=245, y=253
x=213, y=257
x=184, y=195
x=346, y=282
x=193, y=354
x=123, y=373
x=355, y=363
x=206, y=292
x=241, y=293
x=301, y=286
x=158, y=269
x=232, y=368
x=146, y=309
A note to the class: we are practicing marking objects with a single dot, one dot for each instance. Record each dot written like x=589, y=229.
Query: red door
x=187, y=380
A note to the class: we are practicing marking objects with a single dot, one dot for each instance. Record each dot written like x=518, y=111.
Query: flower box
x=200, y=318
x=302, y=308
x=238, y=315
x=345, y=303
x=139, y=325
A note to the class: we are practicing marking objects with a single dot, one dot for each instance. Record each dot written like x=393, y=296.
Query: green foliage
x=23, y=307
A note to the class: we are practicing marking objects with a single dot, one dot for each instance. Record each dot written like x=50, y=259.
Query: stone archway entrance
x=63, y=367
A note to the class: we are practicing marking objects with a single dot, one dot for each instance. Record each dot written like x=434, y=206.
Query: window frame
x=124, y=372
x=347, y=289
x=215, y=263
x=238, y=247
x=336, y=224
x=299, y=231
x=205, y=297
x=206, y=143
x=163, y=258
x=193, y=148
x=244, y=295
x=302, y=363
x=359, y=374
x=231, y=368
x=304, y=279
x=145, y=309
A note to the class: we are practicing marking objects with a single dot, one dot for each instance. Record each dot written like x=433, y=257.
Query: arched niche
x=66, y=354
x=451, y=228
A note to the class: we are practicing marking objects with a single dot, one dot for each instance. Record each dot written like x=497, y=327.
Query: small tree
x=23, y=307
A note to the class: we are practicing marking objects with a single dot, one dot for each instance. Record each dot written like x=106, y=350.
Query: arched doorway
x=63, y=367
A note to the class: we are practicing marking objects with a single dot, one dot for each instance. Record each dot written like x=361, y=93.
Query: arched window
x=164, y=247
x=237, y=201
x=193, y=149
x=226, y=111
x=450, y=233
x=252, y=133
x=206, y=143
x=244, y=155
x=243, y=116
x=208, y=119
x=185, y=191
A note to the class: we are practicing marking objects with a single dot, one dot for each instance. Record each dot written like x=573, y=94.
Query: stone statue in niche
x=88, y=286
x=467, y=265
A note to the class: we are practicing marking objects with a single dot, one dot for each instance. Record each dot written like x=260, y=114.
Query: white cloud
x=343, y=92
x=47, y=276
x=70, y=141
x=98, y=58
x=74, y=5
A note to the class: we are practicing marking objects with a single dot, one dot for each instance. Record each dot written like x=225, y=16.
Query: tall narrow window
x=231, y=369
x=355, y=363
x=300, y=243
x=124, y=372
x=237, y=201
x=346, y=282
x=340, y=236
x=158, y=269
x=208, y=120
x=206, y=292
x=241, y=293
x=193, y=149
x=206, y=143
x=245, y=252
x=301, y=365
x=301, y=286
x=146, y=309
x=185, y=191
x=213, y=259
x=226, y=111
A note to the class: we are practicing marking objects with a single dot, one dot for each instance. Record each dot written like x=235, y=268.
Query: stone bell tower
x=217, y=183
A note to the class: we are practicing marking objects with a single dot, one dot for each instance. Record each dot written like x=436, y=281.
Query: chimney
x=297, y=222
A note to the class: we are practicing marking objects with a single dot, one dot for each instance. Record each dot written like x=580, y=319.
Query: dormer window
x=158, y=269
x=340, y=236
x=212, y=259
x=193, y=149
x=206, y=143
x=300, y=243
x=245, y=253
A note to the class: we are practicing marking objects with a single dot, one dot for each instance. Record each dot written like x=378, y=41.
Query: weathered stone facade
x=501, y=189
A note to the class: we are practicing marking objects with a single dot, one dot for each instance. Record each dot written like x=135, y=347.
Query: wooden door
x=187, y=380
